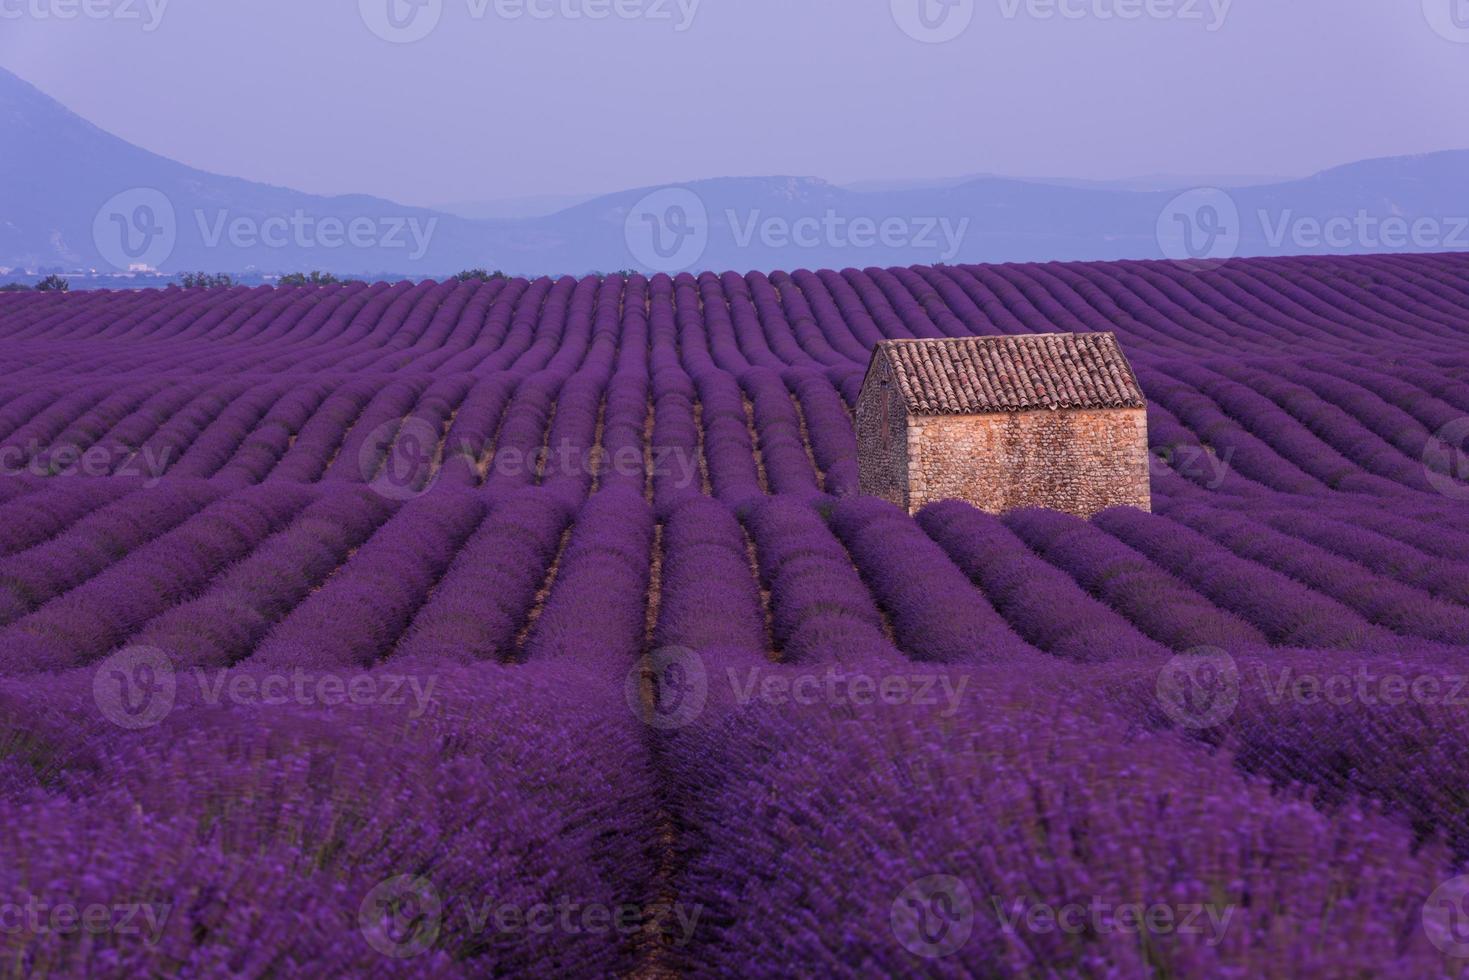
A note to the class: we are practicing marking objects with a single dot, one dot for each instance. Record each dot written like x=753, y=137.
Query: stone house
x=1039, y=420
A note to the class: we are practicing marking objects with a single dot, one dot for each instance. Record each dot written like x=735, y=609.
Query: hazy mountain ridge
x=74, y=196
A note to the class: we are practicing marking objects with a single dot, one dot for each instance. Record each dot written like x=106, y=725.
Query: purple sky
x=303, y=93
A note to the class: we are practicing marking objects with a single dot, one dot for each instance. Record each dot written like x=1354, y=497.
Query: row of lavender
x=1246, y=428
x=743, y=382
x=93, y=565
x=988, y=730
x=813, y=319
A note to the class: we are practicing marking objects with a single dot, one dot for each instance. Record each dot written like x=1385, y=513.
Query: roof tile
x=1012, y=373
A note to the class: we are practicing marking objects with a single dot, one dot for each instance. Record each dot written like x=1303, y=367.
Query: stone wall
x=1080, y=462
x=883, y=464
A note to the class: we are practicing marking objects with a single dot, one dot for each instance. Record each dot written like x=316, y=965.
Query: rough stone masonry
x=1042, y=420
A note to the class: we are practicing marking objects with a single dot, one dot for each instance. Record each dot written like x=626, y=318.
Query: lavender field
x=507, y=627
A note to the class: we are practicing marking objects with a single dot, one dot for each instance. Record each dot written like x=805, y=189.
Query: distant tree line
x=51, y=284
x=314, y=278
x=203, y=280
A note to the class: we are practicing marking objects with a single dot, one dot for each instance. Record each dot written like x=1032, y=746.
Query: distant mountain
x=514, y=208
x=75, y=197
x=1153, y=182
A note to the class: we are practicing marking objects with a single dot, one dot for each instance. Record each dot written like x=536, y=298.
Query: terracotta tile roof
x=986, y=375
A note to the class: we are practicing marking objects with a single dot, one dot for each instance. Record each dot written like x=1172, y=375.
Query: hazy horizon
x=492, y=105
